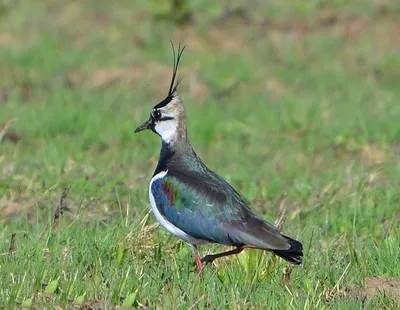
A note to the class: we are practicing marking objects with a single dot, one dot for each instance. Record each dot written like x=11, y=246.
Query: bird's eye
x=157, y=114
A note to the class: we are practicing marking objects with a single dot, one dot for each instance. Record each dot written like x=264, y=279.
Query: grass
x=296, y=99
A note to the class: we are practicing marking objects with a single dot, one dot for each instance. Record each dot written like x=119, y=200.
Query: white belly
x=164, y=222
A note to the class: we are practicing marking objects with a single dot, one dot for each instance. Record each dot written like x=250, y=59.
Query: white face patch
x=169, y=120
x=167, y=129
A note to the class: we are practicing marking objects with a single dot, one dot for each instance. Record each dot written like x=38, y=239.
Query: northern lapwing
x=194, y=203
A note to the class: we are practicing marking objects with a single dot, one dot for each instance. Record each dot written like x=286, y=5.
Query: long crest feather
x=177, y=57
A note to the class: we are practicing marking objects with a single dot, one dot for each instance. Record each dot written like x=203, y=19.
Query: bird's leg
x=199, y=264
x=210, y=258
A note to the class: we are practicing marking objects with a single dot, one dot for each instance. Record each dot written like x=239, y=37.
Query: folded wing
x=210, y=209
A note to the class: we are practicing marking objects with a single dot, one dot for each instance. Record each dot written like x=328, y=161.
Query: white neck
x=168, y=130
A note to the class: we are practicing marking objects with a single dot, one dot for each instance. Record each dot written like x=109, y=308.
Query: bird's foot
x=201, y=262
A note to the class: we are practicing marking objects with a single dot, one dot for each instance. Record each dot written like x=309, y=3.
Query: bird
x=194, y=203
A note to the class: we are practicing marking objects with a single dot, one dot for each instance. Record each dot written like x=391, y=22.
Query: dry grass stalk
x=60, y=208
x=282, y=212
x=5, y=128
x=11, y=250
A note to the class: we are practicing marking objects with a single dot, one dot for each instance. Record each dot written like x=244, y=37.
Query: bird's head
x=168, y=118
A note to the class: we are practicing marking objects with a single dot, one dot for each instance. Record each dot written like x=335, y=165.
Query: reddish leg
x=199, y=264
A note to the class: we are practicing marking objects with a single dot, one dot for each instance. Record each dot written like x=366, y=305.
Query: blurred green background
x=295, y=99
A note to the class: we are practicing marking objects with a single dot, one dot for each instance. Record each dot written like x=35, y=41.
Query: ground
x=295, y=103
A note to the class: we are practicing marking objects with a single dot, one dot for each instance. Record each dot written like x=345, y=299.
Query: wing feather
x=210, y=209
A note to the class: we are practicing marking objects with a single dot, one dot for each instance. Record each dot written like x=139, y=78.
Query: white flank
x=164, y=222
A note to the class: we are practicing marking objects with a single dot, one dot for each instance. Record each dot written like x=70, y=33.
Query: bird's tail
x=294, y=254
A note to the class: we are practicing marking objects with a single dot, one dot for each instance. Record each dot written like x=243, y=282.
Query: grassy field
x=295, y=103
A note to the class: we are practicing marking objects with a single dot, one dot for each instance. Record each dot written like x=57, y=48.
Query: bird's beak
x=146, y=125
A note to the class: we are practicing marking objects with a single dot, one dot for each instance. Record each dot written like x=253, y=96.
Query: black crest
x=177, y=58
x=174, y=83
